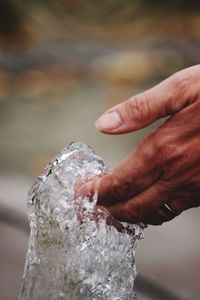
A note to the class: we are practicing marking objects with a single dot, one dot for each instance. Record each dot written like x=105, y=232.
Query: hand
x=165, y=167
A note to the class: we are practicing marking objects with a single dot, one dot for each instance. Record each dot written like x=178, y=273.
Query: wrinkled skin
x=165, y=167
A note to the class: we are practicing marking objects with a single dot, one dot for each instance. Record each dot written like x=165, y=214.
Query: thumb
x=165, y=99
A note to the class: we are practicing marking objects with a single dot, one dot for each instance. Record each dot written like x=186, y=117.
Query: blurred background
x=63, y=63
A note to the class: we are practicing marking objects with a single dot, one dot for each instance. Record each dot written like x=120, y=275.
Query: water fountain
x=73, y=253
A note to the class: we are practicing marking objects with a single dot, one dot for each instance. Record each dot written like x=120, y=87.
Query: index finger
x=134, y=174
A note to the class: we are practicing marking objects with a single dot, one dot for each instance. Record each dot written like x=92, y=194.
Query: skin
x=165, y=167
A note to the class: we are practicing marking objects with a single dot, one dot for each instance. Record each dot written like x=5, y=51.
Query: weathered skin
x=165, y=167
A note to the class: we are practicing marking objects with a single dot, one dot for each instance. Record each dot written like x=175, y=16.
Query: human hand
x=165, y=167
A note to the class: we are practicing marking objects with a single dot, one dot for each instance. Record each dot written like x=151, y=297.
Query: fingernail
x=109, y=121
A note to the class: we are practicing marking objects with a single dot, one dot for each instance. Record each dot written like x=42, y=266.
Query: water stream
x=73, y=253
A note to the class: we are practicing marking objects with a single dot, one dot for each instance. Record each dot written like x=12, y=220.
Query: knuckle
x=180, y=82
x=138, y=108
x=168, y=152
x=131, y=214
x=178, y=85
x=147, y=148
x=120, y=190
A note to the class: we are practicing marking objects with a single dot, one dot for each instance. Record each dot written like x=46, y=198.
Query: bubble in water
x=68, y=257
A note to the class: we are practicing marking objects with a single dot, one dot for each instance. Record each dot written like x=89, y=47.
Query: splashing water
x=69, y=258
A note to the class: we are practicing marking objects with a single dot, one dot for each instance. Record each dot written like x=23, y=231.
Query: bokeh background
x=63, y=63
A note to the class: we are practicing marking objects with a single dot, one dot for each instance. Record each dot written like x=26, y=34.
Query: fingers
x=134, y=174
x=167, y=98
x=153, y=206
x=148, y=207
x=141, y=207
x=132, y=192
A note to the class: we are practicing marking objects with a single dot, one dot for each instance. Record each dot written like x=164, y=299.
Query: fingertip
x=98, y=125
x=88, y=188
x=109, y=122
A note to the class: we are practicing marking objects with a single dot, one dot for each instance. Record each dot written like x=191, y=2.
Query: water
x=73, y=253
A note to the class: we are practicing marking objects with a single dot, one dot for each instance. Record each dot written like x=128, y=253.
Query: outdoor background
x=63, y=63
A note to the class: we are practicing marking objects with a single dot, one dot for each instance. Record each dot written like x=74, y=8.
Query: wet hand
x=161, y=177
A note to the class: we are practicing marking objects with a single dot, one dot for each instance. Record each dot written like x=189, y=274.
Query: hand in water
x=165, y=167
